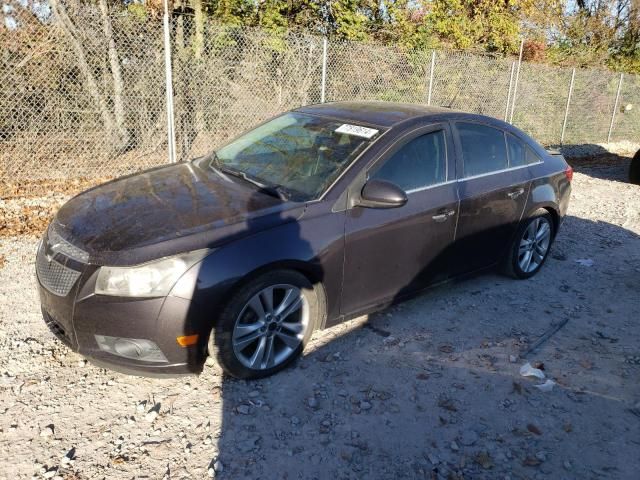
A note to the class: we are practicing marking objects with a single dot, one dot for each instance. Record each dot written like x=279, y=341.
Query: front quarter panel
x=313, y=245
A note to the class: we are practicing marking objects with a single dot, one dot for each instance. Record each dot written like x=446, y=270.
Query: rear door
x=493, y=190
x=390, y=252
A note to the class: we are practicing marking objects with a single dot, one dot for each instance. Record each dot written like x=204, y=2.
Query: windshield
x=299, y=153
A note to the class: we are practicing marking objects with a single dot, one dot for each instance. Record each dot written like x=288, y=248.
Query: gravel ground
x=427, y=389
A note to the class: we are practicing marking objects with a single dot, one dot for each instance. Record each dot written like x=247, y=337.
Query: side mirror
x=382, y=194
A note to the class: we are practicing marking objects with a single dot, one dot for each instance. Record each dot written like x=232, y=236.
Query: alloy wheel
x=534, y=244
x=271, y=326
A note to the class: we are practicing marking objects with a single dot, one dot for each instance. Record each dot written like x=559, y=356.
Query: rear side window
x=484, y=149
x=519, y=153
x=419, y=163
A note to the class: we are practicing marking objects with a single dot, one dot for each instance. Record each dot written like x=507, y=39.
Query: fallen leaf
x=447, y=404
x=533, y=429
x=531, y=462
x=484, y=460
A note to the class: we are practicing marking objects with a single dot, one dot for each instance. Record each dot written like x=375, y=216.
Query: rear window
x=484, y=149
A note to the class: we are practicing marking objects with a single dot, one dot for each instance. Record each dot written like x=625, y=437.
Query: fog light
x=134, y=348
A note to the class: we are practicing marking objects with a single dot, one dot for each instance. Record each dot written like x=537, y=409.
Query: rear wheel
x=530, y=246
x=266, y=325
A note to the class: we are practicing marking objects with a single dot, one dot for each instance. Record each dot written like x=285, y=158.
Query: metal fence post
x=323, y=86
x=615, y=108
x=433, y=65
x=515, y=86
x=506, y=109
x=171, y=133
x=566, y=109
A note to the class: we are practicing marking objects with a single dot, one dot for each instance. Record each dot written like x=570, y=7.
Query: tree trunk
x=118, y=84
x=91, y=83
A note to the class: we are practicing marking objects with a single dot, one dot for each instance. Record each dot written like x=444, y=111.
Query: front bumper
x=77, y=317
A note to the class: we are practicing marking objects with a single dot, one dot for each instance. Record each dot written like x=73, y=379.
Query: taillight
x=568, y=172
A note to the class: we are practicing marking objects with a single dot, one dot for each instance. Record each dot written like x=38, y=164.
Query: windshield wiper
x=277, y=191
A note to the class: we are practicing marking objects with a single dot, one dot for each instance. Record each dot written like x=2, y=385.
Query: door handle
x=441, y=217
x=515, y=194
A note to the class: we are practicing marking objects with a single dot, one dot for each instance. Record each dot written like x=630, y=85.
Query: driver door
x=392, y=252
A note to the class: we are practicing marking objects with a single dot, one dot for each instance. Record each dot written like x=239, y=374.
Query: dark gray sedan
x=318, y=215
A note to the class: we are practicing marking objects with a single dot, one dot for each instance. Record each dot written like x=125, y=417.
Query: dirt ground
x=428, y=389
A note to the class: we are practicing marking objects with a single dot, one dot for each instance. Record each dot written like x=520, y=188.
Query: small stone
x=312, y=402
x=454, y=446
x=47, y=431
x=69, y=456
x=151, y=415
x=141, y=406
x=295, y=420
x=433, y=459
x=364, y=405
x=541, y=456
x=567, y=465
x=513, y=359
x=254, y=393
x=468, y=438
x=218, y=467
x=50, y=473
x=243, y=409
x=210, y=361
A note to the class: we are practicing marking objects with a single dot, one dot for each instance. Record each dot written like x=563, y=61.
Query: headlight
x=153, y=279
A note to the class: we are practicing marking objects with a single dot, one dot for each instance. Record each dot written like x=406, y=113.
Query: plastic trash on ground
x=585, y=262
x=527, y=370
x=546, y=386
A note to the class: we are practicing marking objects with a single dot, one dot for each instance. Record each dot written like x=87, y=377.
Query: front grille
x=55, y=277
x=57, y=329
x=53, y=271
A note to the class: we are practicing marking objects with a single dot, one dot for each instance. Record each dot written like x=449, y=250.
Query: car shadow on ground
x=598, y=162
x=426, y=389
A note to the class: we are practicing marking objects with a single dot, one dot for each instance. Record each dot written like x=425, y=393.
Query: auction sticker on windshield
x=356, y=130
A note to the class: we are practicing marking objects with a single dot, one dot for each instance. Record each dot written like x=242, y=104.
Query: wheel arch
x=549, y=208
x=311, y=272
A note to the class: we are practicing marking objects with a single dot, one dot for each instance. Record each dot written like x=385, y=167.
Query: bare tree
x=118, y=85
x=71, y=33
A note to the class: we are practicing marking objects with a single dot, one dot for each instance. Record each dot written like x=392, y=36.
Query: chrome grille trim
x=59, y=244
x=51, y=264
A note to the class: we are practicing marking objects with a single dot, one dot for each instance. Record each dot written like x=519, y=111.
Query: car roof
x=392, y=114
x=384, y=114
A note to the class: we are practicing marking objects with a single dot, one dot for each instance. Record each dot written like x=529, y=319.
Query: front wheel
x=530, y=246
x=265, y=325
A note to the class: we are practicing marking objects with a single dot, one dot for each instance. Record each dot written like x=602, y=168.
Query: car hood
x=165, y=211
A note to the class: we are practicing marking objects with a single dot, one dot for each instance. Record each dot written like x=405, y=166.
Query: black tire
x=634, y=169
x=511, y=266
x=221, y=338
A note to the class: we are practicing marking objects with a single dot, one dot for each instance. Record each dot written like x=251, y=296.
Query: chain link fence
x=83, y=89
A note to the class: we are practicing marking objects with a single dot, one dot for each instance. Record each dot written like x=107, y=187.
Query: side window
x=531, y=156
x=484, y=149
x=419, y=163
x=517, y=152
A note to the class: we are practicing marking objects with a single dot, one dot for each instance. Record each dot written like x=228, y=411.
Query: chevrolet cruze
x=321, y=214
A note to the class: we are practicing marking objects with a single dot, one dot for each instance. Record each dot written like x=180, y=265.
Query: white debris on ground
x=428, y=389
